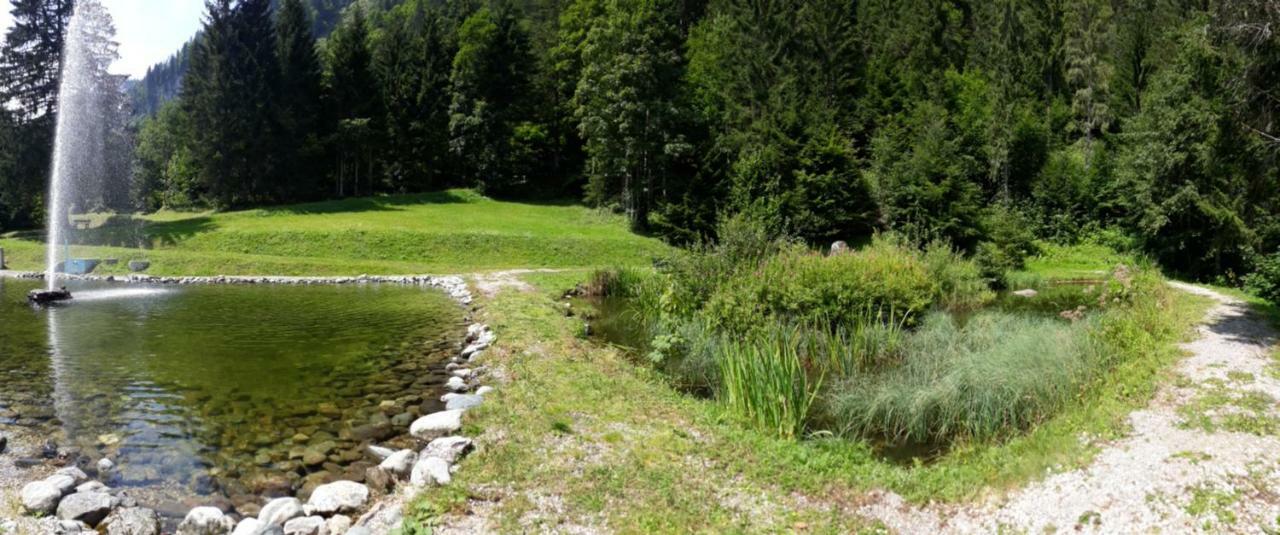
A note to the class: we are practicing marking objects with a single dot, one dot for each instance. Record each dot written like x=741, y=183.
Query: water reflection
x=224, y=389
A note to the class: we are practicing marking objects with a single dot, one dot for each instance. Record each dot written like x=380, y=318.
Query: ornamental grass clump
x=997, y=372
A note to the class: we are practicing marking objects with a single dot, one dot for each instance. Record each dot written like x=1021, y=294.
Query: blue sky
x=148, y=30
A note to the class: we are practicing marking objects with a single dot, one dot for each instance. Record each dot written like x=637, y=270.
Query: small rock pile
x=73, y=504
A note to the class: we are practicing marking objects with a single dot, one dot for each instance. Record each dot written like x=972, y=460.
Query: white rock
x=436, y=424
x=1026, y=293
x=448, y=448
x=307, y=525
x=380, y=452
x=87, y=507
x=206, y=521
x=74, y=473
x=249, y=526
x=338, y=525
x=337, y=497
x=451, y=395
x=400, y=463
x=64, y=482
x=430, y=471
x=464, y=402
x=484, y=390
x=105, y=465
x=280, y=510
x=40, y=497
x=464, y=373
x=92, y=486
x=456, y=384
x=132, y=521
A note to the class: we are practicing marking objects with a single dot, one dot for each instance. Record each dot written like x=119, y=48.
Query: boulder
x=338, y=525
x=400, y=463
x=436, y=424
x=132, y=521
x=88, y=507
x=359, y=530
x=40, y=497
x=307, y=525
x=448, y=448
x=456, y=384
x=280, y=510
x=206, y=521
x=139, y=265
x=92, y=486
x=430, y=471
x=251, y=526
x=464, y=402
x=63, y=482
x=337, y=497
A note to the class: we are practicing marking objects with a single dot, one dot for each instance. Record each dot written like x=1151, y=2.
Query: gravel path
x=1204, y=456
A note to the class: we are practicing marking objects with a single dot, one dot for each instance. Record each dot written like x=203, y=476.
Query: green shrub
x=1264, y=282
x=765, y=380
x=1010, y=241
x=960, y=282
x=997, y=372
x=743, y=244
x=806, y=288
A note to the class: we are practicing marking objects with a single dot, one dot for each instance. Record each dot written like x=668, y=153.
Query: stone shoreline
x=68, y=502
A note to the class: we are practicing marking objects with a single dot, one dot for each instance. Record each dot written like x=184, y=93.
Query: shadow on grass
x=130, y=232
x=373, y=204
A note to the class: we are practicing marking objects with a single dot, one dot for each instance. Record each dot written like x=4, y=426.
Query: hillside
x=445, y=232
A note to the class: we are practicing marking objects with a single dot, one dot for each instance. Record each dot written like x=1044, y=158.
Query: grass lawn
x=581, y=434
x=456, y=231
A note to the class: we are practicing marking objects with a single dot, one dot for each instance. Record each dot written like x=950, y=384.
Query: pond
x=223, y=392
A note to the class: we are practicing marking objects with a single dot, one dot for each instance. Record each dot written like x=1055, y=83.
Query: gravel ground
x=1201, y=457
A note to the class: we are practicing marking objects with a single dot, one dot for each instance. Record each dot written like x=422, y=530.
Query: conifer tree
x=298, y=104
x=354, y=101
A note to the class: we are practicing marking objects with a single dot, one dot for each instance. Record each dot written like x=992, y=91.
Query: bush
x=960, y=282
x=1264, y=282
x=807, y=288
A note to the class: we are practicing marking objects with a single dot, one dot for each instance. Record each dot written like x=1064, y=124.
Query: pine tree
x=31, y=58
x=1088, y=71
x=298, y=102
x=353, y=92
x=227, y=93
x=412, y=61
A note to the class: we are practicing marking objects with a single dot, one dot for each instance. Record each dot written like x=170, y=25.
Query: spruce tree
x=298, y=102
x=353, y=93
x=31, y=58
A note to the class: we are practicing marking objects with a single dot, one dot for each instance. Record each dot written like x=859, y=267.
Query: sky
x=148, y=31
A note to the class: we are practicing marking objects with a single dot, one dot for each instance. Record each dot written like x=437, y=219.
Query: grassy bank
x=582, y=434
x=446, y=232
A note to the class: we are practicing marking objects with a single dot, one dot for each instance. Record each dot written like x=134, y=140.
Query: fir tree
x=298, y=102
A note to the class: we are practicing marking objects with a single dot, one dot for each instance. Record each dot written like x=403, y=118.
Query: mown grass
x=600, y=439
x=445, y=232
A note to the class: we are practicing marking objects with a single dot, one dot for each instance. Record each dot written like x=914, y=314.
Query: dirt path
x=1204, y=456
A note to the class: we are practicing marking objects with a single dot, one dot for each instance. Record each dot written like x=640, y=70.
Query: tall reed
x=764, y=380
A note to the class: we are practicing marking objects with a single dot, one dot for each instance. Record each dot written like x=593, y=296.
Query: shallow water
x=231, y=391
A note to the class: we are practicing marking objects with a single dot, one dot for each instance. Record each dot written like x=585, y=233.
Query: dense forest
x=1147, y=123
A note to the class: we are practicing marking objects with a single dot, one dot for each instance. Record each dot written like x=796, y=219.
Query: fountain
x=79, y=141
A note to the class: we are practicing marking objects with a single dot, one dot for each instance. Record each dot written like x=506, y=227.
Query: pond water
x=223, y=392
